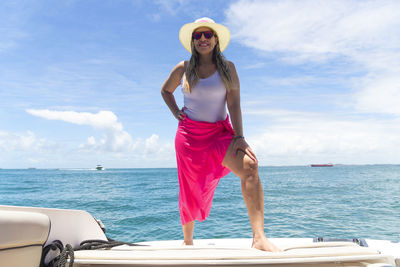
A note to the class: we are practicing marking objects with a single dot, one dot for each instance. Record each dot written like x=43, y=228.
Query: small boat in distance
x=322, y=165
x=99, y=168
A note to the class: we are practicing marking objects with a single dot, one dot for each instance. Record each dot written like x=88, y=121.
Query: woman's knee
x=250, y=167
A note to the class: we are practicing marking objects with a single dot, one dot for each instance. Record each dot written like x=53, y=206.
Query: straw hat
x=185, y=33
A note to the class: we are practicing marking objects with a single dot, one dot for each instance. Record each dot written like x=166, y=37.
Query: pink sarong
x=200, y=149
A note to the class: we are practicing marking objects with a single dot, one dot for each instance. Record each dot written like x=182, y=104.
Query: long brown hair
x=191, y=76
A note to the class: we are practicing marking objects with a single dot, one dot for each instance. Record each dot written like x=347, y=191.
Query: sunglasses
x=207, y=35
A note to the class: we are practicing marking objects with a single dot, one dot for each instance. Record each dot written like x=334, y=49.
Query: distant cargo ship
x=322, y=165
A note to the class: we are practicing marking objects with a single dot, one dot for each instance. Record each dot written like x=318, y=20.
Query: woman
x=207, y=147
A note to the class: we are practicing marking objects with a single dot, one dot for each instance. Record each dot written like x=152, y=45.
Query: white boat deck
x=235, y=252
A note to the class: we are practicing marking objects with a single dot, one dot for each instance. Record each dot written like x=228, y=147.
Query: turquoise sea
x=142, y=204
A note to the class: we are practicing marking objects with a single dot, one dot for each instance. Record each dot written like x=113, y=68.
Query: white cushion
x=69, y=226
x=22, y=235
x=18, y=229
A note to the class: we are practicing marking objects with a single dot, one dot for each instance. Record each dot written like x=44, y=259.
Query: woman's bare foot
x=264, y=244
x=187, y=243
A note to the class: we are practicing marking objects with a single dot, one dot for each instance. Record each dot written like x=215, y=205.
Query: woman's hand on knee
x=241, y=145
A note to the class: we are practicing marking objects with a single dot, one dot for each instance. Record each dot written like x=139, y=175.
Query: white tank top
x=207, y=100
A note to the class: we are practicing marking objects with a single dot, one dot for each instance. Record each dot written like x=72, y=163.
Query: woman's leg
x=188, y=230
x=253, y=196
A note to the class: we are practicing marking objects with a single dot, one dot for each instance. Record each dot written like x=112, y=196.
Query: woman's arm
x=235, y=112
x=233, y=102
x=169, y=86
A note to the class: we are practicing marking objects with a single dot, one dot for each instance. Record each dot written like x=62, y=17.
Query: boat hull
x=322, y=165
x=204, y=252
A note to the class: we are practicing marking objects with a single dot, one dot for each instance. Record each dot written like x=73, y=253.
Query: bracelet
x=238, y=137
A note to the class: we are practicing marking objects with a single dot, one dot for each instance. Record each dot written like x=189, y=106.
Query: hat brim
x=185, y=34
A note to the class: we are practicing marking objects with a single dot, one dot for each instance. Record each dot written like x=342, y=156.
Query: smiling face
x=203, y=45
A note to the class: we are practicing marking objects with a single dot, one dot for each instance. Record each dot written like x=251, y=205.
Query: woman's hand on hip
x=241, y=145
x=180, y=114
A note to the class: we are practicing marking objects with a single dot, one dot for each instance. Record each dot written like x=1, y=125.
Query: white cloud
x=290, y=81
x=304, y=138
x=380, y=94
x=154, y=149
x=363, y=35
x=21, y=150
x=12, y=142
x=91, y=141
x=102, y=119
x=115, y=137
x=115, y=144
x=172, y=7
x=313, y=29
x=151, y=144
x=257, y=65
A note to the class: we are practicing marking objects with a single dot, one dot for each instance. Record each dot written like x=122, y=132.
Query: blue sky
x=80, y=80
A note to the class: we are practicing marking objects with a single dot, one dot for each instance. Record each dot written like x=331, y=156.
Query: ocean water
x=142, y=204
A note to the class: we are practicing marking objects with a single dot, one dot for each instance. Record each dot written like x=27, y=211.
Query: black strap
x=55, y=245
x=68, y=252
